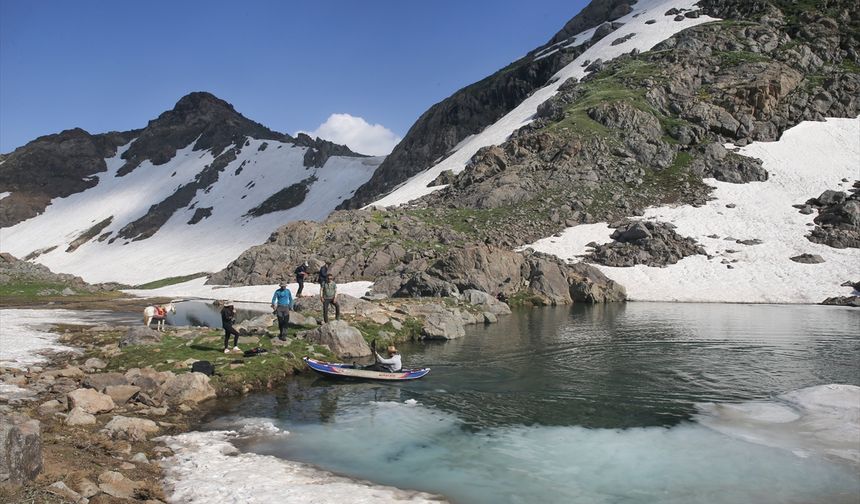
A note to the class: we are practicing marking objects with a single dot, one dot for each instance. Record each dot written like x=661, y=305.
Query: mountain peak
x=202, y=101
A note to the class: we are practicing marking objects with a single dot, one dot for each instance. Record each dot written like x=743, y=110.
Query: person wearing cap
x=282, y=301
x=228, y=317
x=328, y=295
x=391, y=364
x=301, y=272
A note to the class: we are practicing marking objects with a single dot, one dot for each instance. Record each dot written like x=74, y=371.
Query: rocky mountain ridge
x=642, y=130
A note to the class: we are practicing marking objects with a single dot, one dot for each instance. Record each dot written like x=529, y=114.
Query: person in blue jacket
x=282, y=301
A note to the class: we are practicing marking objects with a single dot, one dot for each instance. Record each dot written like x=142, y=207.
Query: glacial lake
x=628, y=403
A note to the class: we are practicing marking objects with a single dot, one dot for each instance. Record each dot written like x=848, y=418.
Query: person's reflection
x=328, y=406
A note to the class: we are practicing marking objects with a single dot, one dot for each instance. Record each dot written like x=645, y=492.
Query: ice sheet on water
x=822, y=420
x=414, y=446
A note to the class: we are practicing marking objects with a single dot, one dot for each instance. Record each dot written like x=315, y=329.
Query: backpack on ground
x=204, y=367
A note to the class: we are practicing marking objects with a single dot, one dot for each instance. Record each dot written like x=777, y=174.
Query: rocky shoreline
x=87, y=426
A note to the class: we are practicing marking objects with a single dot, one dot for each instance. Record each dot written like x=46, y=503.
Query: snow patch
x=24, y=334
x=807, y=160
x=4, y=194
x=206, y=467
x=179, y=248
x=647, y=36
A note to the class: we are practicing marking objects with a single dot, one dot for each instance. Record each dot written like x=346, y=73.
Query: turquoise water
x=588, y=404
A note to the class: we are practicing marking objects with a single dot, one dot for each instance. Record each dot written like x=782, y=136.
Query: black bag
x=254, y=351
x=203, y=366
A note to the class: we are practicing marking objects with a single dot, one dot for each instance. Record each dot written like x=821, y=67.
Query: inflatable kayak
x=340, y=370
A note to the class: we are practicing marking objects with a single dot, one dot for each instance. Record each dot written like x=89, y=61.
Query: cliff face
x=471, y=109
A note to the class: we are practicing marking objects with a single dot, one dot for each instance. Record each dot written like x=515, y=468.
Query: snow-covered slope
x=645, y=37
x=807, y=160
x=180, y=248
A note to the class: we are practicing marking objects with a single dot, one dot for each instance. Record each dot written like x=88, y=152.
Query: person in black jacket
x=228, y=317
x=322, y=277
x=301, y=272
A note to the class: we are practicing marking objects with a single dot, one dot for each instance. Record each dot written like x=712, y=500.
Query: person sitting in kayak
x=389, y=365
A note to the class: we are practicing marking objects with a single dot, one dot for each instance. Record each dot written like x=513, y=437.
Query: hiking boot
x=282, y=337
x=226, y=350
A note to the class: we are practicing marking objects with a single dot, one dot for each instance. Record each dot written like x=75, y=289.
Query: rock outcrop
x=344, y=340
x=644, y=242
x=140, y=335
x=838, y=219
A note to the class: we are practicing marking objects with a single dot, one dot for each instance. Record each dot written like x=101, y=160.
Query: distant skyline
x=362, y=71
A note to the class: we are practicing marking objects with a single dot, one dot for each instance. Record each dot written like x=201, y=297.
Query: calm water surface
x=581, y=404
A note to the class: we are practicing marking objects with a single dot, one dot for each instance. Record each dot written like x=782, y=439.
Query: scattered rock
x=94, y=363
x=132, y=429
x=140, y=458
x=80, y=417
x=60, y=489
x=121, y=394
x=754, y=241
x=49, y=407
x=90, y=401
x=808, y=259
x=140, y=335
x=117, y=485
x=100, y=381
x=87, y=488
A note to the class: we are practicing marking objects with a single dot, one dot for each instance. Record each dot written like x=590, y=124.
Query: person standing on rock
x=301, y=272
x=228, y=317
x=328, y=295
x=282, y=301
x=322, y=277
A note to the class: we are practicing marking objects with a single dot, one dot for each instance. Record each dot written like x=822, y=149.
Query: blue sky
x=104, y=65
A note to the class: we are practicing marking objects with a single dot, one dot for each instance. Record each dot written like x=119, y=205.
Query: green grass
x=850, y=66
x=735, y=58
x=164, y=282
x=24, y=291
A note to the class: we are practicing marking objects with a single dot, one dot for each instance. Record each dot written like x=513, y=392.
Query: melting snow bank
x=24, y=334
x=822, y=420
x=807, y=160
x=197, y=288
x=206, y=467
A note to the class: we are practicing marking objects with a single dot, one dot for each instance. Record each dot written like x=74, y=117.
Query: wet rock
x=90, y=401
x=489, y=317
x=80, y=417
x=132, y=429
x=852, y=301
x=343, y=339
x=140, y=335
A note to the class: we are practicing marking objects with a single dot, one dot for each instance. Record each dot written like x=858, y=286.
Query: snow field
x=179, y=248
x=807, y=160
x=647, y=36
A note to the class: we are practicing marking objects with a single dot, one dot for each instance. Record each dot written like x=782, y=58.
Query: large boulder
x=20, y=449
x=442, y=326
x=343, y=339
x=140, y=335
x=121, y=394
x=132, y=429
x=80, y=417
x=188, y=388
x=90, y=401
x=486, y=302
x=256, y=325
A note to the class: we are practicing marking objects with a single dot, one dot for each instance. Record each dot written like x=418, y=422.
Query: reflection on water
x=204, y=314
x=581, y=404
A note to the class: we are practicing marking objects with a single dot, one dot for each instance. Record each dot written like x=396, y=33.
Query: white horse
x=149, y=315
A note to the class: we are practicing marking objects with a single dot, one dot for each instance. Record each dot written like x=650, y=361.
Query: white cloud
x=357, y=134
